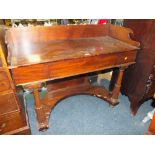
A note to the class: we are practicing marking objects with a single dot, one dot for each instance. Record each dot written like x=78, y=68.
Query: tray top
x=27, y=54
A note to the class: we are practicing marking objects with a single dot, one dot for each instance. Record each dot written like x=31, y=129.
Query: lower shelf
x=59, y=90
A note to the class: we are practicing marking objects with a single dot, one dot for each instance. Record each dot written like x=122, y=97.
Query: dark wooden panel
x=135, y=80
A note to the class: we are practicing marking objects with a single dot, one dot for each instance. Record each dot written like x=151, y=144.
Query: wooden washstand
x=62, y=55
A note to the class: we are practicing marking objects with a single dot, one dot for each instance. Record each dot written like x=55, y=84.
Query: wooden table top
x=27, y=54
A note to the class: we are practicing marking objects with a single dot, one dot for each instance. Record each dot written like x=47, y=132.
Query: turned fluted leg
x=117, y=86
x=39, y=109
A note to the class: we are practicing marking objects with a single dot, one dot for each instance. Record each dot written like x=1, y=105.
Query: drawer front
x=11, y=123
x=8, y=110
x=71, y=67
x=4, y=81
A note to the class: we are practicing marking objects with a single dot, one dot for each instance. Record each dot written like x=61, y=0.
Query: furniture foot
x=111, y=106
x=135, y=103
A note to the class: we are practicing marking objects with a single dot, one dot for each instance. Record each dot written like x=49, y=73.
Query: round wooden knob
x=125, y=58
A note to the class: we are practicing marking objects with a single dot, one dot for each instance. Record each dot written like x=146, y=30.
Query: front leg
x=117, y=86
x=39, y=108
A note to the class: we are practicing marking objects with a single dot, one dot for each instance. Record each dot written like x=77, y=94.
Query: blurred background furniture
x=13, y=118
x=139, y=79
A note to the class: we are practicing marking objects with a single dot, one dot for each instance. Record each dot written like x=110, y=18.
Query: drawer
x=11, y=123
x=7, y=123
x=4, y=81
x=13, y=120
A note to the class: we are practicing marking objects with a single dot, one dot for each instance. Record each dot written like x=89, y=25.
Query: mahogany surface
x=62, y=53
x=57, y=50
